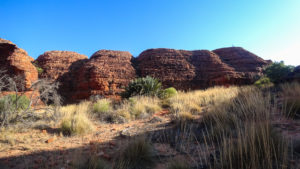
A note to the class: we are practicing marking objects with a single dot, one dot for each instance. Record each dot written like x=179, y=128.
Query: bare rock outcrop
x=106, y=73
x=56, y=63
x=16, y=62
x=200, y=68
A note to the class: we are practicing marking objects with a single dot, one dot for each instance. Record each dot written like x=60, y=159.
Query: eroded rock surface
x=200, y=68
x=106, y=73
x=16, y=62
x=57, y=63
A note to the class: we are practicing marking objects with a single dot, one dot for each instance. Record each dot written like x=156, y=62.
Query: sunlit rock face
x=106, y=73
x=200, y=68
x=56, y=63
x=16, y=62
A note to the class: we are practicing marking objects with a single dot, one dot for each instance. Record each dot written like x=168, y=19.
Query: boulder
x=56, y=63
x=16, y=62
x=106, y=73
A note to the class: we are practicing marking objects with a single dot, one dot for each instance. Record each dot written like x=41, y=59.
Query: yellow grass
x=75, y=119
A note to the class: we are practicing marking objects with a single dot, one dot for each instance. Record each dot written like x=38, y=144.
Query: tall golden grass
x=238, y=127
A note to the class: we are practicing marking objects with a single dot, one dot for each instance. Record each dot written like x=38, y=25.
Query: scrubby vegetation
x=278, y=71
x=263, y=82
x=291, y=99
x=146, y=86
x=139, y=154
x=220, y=127
x=38, y=68
x=75, y=120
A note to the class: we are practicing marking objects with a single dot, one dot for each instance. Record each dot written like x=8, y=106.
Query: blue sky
x=268, y=28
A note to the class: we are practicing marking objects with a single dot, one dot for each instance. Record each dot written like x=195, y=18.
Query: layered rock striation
x=106, y=73
x=54, y=64
x=16, y=62
x=200, y=68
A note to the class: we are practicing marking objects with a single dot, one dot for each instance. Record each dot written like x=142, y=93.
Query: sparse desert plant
x=102, y=106
x=75, y=119
x=11, y=108
x=168, y=92
x=263, y=82
x=94, y=162
x=138, y=154
x=178, y=165
x=278, y=71
x=291, y=99
x=13, y=101
x=142, y=106
x=196, y=102
x=146, y=86
x=38, y=68
x=243, y=134
x=254, y=145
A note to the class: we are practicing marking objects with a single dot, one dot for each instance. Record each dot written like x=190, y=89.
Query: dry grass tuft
x=291, y=99
x=138, y=154
x=75, y=119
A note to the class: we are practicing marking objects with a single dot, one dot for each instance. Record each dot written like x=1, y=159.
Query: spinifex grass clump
x=75, y=119
x=146, y=86
x=291, y=100
x=243, y=135
x=138, y=154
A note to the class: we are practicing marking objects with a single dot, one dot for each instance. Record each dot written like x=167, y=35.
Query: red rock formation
x=200, y=68
x=106, y=73
x=15, y=61
x=57, y=63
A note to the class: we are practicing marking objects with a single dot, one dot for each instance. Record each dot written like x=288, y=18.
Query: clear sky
x=268, y=28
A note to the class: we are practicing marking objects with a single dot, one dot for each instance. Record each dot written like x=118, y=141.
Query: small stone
x=50, y=140
x=129, y=132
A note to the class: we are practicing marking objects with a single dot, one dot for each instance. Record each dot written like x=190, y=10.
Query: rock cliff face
x=16, y=62
x=200, y=68
x=106, y=73
x=57, y=63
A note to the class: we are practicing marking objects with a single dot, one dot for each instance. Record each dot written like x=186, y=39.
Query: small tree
x=17, y=107
x=278, y=71
x=147, y=86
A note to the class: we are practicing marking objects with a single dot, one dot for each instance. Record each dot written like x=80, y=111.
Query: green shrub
x=278, y=71
x=168, y=92
x=13, y=102
x=146, y=86
x=38, y=68
x=102, y=106
x=263, y=82
x=137, y=155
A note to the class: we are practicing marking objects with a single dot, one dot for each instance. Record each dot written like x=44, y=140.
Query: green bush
x=38, y=68
x=13, y=102
x=278, y=71
x=101, y=106
x=263, y=82
x=168, y=92
x=146, y=86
